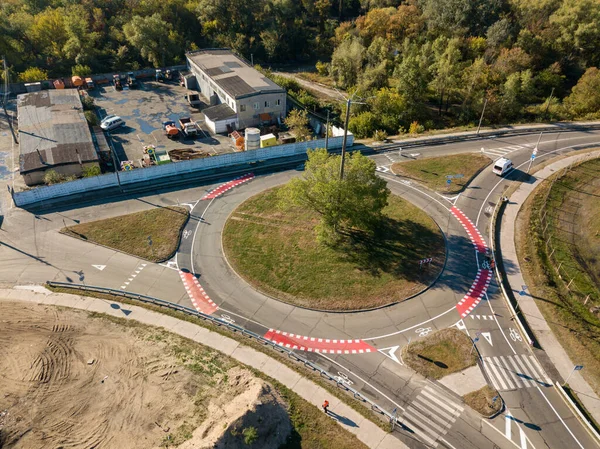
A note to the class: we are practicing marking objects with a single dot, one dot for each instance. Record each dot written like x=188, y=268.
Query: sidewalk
x=528, y=306
x=364, y=429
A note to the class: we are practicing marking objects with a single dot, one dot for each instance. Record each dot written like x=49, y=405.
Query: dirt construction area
x=70, y=379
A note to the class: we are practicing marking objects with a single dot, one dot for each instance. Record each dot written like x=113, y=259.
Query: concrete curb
x=570, y=403
x=366, y=431
x=527, y=305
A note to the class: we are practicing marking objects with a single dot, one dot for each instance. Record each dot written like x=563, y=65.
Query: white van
x=112, y=123
x=502, y=166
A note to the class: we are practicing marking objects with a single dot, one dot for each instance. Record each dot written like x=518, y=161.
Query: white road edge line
x=195, y=233
x=559, y=417
x=362, y=380
x=500, y=432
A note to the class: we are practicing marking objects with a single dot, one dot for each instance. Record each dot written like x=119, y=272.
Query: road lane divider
x=198, y=296
x=319, y=345
x=227, y=186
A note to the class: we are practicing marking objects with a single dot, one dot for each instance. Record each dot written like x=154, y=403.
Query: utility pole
x=327, y=133
x=549, y=100
x=348, y=103
x=481, y=118
x=534, y=152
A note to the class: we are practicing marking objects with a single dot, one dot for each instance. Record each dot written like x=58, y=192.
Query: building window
x=242, y=108
x=267, y=104
x=278, y=102
x=256, y=105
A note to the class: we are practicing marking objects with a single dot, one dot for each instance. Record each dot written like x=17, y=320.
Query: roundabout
x=364, y=347
x=277, y=253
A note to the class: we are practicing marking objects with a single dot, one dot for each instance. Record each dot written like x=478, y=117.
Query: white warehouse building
x=240, y=96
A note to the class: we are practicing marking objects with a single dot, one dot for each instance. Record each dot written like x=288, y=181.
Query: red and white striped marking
x=476, y=292
x=199, y=298
x=483, y=278
x=472, y=231
x=227, y=186
x=320, y=345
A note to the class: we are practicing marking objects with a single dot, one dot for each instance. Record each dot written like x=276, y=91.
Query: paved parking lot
x=144, y=110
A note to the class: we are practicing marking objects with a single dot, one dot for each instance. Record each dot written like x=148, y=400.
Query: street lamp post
x=534, y=152
x=348, y=103
x=481, y=118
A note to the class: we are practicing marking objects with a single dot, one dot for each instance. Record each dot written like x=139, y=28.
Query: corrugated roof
x=53, y=130
x=219, y=112
x=225, y=68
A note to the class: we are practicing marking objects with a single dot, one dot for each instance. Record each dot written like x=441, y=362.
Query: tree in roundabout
x=323, y=242
x=345, y=205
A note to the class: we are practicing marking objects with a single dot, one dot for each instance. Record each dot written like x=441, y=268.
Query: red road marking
x=227, y=186
x=199, y=298
x=476, y=292
x=483, y=278
x=320, y=345
x=472, y=231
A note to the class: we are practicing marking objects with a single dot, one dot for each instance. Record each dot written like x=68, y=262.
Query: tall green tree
x=353, y=203
x=151, y=36
x=585, y=97
x=347, y=61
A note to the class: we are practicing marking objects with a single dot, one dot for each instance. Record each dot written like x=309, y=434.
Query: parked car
x=112, y=123
x=107, y=118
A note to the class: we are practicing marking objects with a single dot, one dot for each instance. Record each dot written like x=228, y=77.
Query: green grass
x=277, y=253
x=432, y=171
x=572, y=322
x=444, y=352
x=482, y=401
x=129, y=233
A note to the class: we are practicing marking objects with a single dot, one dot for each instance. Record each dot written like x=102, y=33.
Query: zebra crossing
x=515, y=371
x=501, y=152
x=431, y=415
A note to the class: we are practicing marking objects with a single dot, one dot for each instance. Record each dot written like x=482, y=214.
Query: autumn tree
x=297, y=122
x=353, y=203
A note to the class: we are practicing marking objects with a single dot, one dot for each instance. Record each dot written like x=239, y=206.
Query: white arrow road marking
x=391, y=353
x=460, y=325
x=100, y=267
x=507, y=428
x=488, y=337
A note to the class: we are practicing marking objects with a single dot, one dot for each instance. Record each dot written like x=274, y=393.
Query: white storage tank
x=252, y=139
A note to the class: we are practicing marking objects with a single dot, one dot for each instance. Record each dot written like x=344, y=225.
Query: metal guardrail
x=427, y=141
x=237, y=329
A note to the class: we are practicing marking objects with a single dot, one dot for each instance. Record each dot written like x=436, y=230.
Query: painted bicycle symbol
x=186, y=233
x=485, y=265
x=343, y=378
x=514, y=335
x=423, y=331
x=227, y=318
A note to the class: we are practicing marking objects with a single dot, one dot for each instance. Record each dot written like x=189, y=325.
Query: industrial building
x=240, y=96
x=53, y=135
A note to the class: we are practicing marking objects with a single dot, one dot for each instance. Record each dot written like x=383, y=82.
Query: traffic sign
x=532, y=156
x=459, y=176
x=534, y=151
x=578, y=367
x=448, y=181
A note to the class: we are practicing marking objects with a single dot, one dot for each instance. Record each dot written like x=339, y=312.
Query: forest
x=412, y=65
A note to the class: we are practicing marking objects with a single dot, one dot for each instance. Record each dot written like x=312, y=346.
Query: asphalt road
x=32, y=252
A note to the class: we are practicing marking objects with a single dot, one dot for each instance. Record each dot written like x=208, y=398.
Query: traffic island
x=152, y=235
x=486, y=401
x=444, y=352
x=435, y=172
x=277, y=253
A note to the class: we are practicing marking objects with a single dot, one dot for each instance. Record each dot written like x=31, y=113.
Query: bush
x=88, y=103
x=380, y=135
x=415, y=128
x=250, y=435
x=363, y=125
x=90, y=171
x=322, y=68
x=33, y=74
x=81, y=70
x=91, y=118
x=53, y=177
